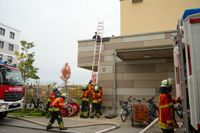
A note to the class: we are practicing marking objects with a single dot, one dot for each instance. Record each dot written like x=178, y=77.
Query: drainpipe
x=114, y=84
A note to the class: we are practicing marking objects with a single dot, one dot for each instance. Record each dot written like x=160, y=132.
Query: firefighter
x=55, y=110
x=91, y=86
x=100, y=98
x=54, y=94
x=85, y=102
x=96, y=99
x=167, y=121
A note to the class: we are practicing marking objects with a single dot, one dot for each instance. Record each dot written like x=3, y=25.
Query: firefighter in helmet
x=167, y=121
x=55, y=109
x=96, y=99
x=54, y=94
x=85, y=102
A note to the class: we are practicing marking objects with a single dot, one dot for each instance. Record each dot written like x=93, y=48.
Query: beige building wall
x=138, y=78
x=148, y=25
x=152, y=15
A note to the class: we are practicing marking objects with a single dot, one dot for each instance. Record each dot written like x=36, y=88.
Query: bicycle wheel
x=124, y=115
x=132, y=122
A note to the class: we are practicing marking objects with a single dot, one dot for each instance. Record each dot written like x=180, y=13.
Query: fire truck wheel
x=3, y=114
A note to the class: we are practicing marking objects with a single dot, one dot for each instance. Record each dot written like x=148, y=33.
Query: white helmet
x=167, y=82
x=63, y=95
x=96, y=88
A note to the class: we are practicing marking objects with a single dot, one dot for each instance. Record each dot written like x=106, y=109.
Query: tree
x=65, y=74
x=26, y=60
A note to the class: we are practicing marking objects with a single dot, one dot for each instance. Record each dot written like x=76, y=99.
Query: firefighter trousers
x=95, y=109
x=168, y=130
x=56, y=115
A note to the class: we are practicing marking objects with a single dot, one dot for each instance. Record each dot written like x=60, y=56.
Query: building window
x=12, y=35
x=11, y=47
x=1, y=44
x=2, y=31
x=9, y=59
x=1, y=57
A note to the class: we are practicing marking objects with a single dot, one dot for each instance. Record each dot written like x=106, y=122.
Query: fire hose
x=115, y=125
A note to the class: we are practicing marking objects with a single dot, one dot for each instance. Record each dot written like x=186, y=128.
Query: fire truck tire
x=3, y=114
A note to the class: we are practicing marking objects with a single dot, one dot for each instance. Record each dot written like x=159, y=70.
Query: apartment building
x=134, y=63
x=9, y=43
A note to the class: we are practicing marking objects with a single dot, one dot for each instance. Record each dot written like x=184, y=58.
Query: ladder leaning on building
x=97, y=52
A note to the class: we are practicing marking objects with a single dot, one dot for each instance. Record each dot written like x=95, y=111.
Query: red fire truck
x=11, y=89
x=187, y=67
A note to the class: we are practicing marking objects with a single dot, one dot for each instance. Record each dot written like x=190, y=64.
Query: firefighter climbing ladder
x=97, y=51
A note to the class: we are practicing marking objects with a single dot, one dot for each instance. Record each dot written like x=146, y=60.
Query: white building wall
x=7, y=40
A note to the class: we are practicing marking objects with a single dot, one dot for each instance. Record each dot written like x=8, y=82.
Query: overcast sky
x=55, y=26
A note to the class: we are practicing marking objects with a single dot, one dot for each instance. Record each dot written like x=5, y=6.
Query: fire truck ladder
x=97, y=51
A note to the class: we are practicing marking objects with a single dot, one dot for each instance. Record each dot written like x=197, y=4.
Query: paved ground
x=76, y=124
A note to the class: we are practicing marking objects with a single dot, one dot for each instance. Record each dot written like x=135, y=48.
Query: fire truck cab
x=11, y=89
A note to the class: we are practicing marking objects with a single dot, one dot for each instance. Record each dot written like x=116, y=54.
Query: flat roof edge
x=140, y=34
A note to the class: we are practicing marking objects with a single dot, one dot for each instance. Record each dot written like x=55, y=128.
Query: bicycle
x=152, y=109
x=126, y=109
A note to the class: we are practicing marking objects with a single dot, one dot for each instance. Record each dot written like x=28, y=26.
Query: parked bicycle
x=126, y=109
x=153, y=109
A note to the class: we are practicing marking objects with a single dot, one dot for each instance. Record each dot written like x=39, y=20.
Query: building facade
x=144, y=16
x=9, y=43
x=134, y=63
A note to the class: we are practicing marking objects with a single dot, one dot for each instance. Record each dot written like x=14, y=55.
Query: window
x=9, y=59
x=11, y=47
x=2, y=31
x=1, y=44
x=1, y=57
x=12, y=35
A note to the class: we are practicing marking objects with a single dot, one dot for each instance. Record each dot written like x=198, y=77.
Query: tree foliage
x=26, y=60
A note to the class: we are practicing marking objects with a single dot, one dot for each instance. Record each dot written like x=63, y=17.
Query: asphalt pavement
x=80, y=125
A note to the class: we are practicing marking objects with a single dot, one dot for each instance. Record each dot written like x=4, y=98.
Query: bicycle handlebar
x=129, y=98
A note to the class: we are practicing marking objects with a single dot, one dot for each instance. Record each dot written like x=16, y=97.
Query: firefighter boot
x=61, y=126
x=91, y=115
x=98, y=115
x=86, y=114
x=49, y=126
x=81, y=115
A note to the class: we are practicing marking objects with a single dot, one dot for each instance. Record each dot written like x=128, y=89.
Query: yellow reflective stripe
x=169, y=121
x=48, y=100
x=85, y=99
x=163, y=125
x=166, y=105
x=55, y=101
x=53, y=109
x=94, y=101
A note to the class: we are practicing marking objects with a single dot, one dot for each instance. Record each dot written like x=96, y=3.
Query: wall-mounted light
x=147, y=56
x=136, y=1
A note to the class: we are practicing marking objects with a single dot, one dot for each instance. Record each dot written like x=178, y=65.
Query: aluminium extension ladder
x=97, y=52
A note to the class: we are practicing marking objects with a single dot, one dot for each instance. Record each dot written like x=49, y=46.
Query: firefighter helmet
x=63, y=95
x=55, y=89
x=96, y=88
x=84, y=87
x=167, y=82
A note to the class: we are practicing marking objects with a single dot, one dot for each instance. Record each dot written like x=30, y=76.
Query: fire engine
x=11, y=89
x=187, y=67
